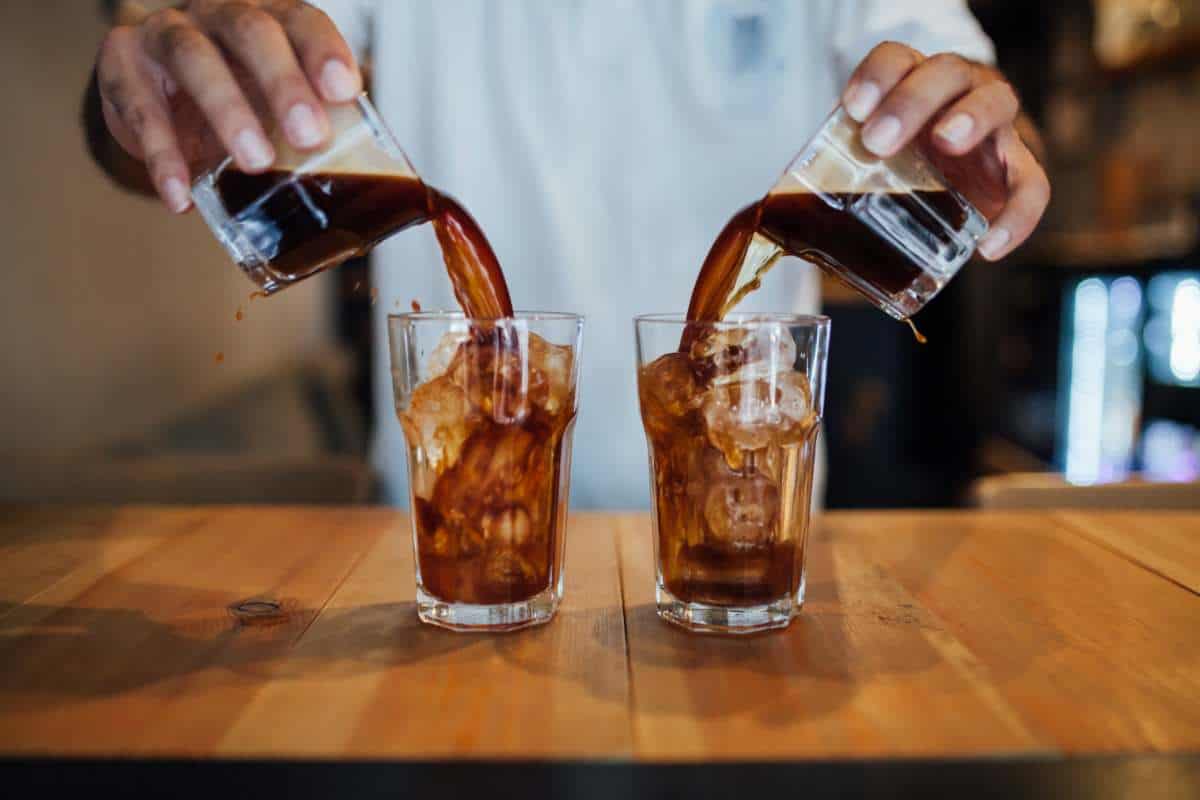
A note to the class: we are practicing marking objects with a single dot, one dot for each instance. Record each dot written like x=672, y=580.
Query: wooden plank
x=866, y=670
x=1164, y=542
x=41, y=547
x=924, y=634
x=1095, y=652
x=368, y=680
x=146, y=659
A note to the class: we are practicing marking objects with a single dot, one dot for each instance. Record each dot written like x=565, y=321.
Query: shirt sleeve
x=353, y=19
x=930, y=26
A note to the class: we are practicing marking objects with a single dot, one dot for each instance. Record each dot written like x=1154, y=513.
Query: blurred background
x=137, y=369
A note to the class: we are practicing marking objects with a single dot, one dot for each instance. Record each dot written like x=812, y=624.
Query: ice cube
x=438, y=420
x=492, y=374
x=668, y=391
x=492, y=466
x=443, y=353
x=721, y=354
x=510, y=374
x=743, y=416
x=741, y=512
x=551, y=366
x=508, y=528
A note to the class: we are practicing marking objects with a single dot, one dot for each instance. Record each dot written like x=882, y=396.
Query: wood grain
x=865, y=670
x=146, y=658
x=368, y=679
x=924, y=634
x=1096, y=653
x=131, y=648
x=1167, y=543
x=949, y=634
x=41, y=548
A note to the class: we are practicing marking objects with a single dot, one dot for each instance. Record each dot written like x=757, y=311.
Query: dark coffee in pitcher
x=304, y=223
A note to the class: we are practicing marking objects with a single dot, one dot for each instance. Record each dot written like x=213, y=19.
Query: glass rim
x=382, y=131
x=737, y=319
x=459, y=316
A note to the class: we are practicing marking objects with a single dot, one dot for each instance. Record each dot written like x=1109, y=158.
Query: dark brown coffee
x=487, y=460
x=487, y=511
x=803, y=224
x=311, y=222
x=728, y=534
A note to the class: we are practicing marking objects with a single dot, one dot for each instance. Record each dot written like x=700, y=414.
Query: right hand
x=181, y=75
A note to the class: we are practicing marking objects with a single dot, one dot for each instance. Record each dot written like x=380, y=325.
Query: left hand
x=966, y=116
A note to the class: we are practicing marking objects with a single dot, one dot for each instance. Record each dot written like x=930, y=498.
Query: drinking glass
x=732, y=420
x=488, y=409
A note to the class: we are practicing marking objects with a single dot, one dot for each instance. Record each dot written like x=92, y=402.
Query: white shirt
x=601, y=145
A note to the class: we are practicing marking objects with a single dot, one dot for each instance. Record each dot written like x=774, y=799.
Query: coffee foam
x=341, y=160
x=837, y=163
x=357, y=148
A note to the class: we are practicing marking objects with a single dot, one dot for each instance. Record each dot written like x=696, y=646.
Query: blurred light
x=1103, y=380
x=1172, y=335
x=1123, y=345
x=1085, y=398
x=1126, y=300
x=1185, y=331
x=1170, y=452
x=1161, y=291
x=1157, y=336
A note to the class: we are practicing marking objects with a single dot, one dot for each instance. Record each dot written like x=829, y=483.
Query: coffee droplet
x=416, y=306
x=239, y=315
x=920, y=337
x=255, y=295
x=219, y=357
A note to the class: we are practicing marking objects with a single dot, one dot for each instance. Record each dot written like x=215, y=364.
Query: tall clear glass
x=732, y=418
x=488, y=409
x=314, y=210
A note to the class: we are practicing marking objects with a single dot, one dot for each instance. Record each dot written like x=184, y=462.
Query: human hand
x=175, y=78
x=965, y=116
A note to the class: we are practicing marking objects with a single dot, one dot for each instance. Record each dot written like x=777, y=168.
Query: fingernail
x=881, y=135
x=861, y=100
x=176, y=195
x=302, y=126
x=338, y=82
x=957, y=129
x=994, y=243
x=253, y=150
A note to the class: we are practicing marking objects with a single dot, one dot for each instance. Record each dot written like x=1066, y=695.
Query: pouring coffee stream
x=315, y=221
x=757, y=237
x=892, y=229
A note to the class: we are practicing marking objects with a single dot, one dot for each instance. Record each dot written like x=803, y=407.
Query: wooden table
x=1030, y=639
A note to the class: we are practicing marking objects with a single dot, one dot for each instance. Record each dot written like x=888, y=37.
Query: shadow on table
x=811, y=669
x=547, y=651
x=58, y=654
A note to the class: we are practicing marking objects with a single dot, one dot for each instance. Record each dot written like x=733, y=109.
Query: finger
x=972, y=119
x=878, y=74
x=327, y=59
x=258, y=42
x=909, y=106
x=1027, y=201
x=132, y=107
x=198, y=67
